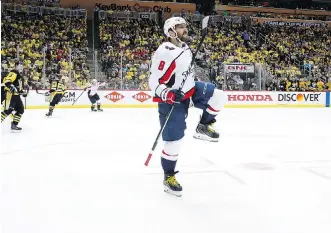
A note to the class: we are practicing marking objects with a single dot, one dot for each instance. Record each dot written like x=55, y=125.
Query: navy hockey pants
x=176, y=125
x=94, y=98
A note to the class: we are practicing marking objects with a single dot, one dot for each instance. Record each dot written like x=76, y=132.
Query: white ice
x=83, y=172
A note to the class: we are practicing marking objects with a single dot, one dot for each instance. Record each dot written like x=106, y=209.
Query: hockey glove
x=24, y=93
x=172, y=96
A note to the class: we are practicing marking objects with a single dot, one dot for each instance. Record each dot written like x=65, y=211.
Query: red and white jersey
x=93, y=88
x=170, y=66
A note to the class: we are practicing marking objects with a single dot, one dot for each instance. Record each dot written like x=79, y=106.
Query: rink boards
x=143, y=99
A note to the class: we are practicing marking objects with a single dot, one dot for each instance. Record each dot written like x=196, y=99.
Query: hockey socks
x=99, y=109
x=50, y=111
x=168, y=165
x=17, y=119
x=3, y=116
x=208, y=115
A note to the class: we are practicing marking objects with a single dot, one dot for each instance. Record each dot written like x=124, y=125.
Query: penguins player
x=13, y=89
x=57, y=90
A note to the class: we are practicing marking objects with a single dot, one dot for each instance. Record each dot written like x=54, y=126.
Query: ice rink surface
x=83, y=172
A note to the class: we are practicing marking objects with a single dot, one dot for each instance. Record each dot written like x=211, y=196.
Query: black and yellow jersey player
x=57, y=90
x=13, y=89
x=3, y=92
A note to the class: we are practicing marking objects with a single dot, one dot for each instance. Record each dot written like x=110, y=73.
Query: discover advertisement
x=299, y=97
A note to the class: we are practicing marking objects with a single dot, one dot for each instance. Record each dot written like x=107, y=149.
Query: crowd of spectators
x=294, y=4
x=289, y=16
x=294, y=58
x=33, y=39
x=131, y=43
x=302, y=84
x=307, y=46
x=289, y=52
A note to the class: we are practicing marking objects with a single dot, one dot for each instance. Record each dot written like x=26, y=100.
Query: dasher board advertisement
x=144, y=99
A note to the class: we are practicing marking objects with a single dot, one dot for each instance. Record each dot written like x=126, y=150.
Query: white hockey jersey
x=170, y=65
x=93, y=88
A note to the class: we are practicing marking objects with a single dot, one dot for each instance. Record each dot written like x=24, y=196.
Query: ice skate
x=99, y=108
x=93, y=109
x=206, y=132
x=49, y=114
x=171, y=185
x=15, y=128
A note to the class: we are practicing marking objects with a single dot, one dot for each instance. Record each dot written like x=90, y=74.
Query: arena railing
x=78, y=13
x=48, y=64
x=213, y=18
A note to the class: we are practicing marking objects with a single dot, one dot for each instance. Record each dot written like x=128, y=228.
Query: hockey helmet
x=94, y=81
x=171, y=24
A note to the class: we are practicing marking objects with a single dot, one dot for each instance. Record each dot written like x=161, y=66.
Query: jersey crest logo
x=169, y=48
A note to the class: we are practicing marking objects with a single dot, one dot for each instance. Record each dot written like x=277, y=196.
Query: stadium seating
x=224, y=44
x=289, y=54
x=133, y=41
x=34, y=39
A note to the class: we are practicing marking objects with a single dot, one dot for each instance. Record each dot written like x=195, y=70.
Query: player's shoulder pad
x=167, y=49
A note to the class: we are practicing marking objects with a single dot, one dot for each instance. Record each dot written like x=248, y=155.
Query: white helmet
x=171, y=24
x=94, y=81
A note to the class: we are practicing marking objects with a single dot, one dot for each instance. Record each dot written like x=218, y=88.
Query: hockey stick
x=78, y=97
x=26, y=94
x=41, y=93
x=205, y=22
x=37, y=91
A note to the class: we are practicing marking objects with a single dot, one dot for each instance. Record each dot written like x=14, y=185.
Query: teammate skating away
x=93, y=95
x=13, y=88
x=170, y=67
x=58, y=87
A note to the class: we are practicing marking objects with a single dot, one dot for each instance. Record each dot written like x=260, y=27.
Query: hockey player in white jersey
x=170, y=65
x=93, y=95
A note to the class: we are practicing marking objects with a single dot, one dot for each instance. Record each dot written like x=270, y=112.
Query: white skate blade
x=205, y=137
x=15, y=131
x=175, y=193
